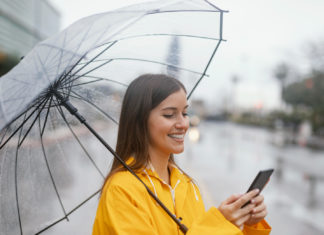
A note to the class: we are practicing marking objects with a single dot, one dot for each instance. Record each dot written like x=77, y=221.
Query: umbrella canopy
x=50, y=165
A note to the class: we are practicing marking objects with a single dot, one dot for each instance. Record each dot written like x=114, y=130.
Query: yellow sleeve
x=213, y=222
x=119, y=214
x=261, y=228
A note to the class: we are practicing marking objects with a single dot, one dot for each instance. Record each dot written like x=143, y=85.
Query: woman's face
x=168, y=124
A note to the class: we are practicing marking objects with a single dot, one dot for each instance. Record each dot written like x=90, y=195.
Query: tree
x=315, y=54
x=7, y=63
x=305, y=92
x=308, y=93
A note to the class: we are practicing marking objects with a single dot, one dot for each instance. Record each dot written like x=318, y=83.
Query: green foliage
x=308, y=93
x=252, y=118
x=293, y=118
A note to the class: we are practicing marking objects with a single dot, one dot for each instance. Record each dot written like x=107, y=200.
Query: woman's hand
x=232, y=209
x=259, y=212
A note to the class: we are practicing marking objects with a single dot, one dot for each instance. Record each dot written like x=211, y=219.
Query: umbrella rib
x=84, y=83
x=4, y=133
x=30, y=127
x=78, y=140
x=78, y=96
x=22, y=124
x=63, y=77
x=212, y=56
x=111, y=44
x=46, y=117
x=98, y=79
x=152, y=12
x=16, y=178
x=22, y=113
x=79, y=45
x=175, y=11
x=169, y=34
x=199, y=80
x=78, y=76
x=162, y=34
x=165, y=64
x=150, y=61
x=61, y=49
x=50, y=172
x=108, y=47
x=69, y=213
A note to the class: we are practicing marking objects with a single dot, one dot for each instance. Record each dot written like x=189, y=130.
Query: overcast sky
x=259, y=33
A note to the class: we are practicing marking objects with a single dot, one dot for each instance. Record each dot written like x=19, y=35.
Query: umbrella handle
x=74, y=111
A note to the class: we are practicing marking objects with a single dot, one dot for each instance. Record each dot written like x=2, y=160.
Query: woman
x=152, y=127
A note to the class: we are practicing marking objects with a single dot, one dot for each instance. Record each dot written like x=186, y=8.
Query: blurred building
x=23, y=23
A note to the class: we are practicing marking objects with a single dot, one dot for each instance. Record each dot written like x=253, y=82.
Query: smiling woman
x=153, y=123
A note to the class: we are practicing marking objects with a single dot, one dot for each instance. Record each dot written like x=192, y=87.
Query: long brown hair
x=142, y=95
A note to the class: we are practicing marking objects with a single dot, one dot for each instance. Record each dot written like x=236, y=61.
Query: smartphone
x=260, y=181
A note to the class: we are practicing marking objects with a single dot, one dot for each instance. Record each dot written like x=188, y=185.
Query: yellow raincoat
x=125, y=207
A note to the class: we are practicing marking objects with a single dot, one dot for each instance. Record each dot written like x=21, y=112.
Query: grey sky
x=259, y=35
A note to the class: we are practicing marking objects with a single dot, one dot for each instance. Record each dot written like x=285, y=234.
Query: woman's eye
x=168, y=115
x=185, y=114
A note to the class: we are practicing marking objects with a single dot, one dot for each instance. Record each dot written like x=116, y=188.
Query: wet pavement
x=227, y=158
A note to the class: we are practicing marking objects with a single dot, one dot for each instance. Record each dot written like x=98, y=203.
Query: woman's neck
x=160, y=164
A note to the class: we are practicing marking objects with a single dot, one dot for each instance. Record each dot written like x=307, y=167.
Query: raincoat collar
x=179, y=184
x=175, y=174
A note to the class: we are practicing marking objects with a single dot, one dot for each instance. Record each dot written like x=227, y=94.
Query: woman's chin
x=178, y=151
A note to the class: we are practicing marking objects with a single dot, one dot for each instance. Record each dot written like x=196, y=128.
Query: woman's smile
x=177, y=137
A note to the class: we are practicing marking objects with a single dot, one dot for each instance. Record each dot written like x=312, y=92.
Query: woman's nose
x=182, y=122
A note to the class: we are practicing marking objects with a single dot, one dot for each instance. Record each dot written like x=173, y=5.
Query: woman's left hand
x=259, y=212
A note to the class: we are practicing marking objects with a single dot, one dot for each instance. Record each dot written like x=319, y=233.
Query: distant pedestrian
x=152, y=127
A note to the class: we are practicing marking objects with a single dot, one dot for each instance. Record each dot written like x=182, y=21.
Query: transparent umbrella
x=51, y=166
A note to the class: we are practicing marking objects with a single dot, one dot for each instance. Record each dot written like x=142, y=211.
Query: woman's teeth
x=177, y=136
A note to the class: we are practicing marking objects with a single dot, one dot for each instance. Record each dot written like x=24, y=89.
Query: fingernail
x=252, y=201
x=256, y=190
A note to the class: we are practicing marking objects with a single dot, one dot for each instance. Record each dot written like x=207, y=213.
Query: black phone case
x=260, y=181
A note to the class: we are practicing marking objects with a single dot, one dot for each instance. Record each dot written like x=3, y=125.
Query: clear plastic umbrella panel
x=51, y=166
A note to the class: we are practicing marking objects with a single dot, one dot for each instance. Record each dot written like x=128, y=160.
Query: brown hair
x=142, y=95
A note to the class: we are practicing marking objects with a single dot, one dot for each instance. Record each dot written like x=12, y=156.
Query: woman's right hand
x=232, y=209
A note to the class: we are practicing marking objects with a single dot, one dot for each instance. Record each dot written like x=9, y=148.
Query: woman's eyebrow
x=174, y=108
